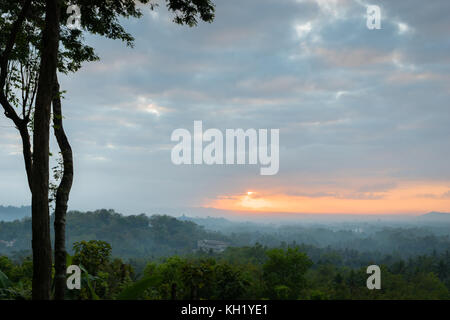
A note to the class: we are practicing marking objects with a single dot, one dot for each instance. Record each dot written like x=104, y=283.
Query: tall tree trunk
x=42, y=250
x=62, y=195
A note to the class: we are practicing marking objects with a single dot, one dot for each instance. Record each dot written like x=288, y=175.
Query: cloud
x=350, y=103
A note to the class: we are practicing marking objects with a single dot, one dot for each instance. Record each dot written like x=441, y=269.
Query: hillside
x=145, y=236
x=130, y=236
x=435, y=217
x=10, y=213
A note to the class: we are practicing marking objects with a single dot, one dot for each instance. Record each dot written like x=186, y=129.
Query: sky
x=363, y=114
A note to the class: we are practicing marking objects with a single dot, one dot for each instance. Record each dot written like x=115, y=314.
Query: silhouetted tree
x=98, y=17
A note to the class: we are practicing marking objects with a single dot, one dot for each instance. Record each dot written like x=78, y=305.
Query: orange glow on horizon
x=409, y=198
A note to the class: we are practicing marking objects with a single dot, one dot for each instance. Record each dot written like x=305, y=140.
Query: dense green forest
x=156, y=257
x=255, y=272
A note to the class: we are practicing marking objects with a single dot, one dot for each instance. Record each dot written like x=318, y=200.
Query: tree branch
x=4, y=59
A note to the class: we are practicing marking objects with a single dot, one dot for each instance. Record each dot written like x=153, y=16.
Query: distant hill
x=129, y=236
x=211, y=223
x=141, y=237
x=10, y=213
x=435, y=216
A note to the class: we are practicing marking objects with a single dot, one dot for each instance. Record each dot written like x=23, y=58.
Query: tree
x=42, y=252
x=284, y=273
x=91, y=254
x=229, y=282
x=23, y=74
x=107, y=276
x=38, y=173
x=99, y=17
x=62, y=193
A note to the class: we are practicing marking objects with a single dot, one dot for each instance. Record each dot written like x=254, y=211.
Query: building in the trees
x=211, y=245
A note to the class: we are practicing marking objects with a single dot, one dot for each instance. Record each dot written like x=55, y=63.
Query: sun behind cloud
x=408, y=198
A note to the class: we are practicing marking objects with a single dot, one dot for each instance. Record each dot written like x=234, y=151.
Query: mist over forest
x=159, y=235
x=238, y=259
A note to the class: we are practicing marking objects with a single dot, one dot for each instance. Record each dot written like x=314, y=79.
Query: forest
x=156, y=257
